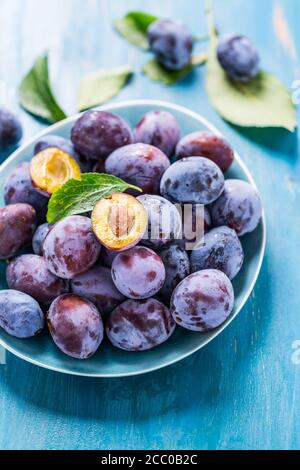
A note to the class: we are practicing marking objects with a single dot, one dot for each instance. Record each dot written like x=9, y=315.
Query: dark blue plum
x=75, y=325
x=239, y=207
x=158, y=128
x=71, y=248
x=138, y=325
x=177, y=265
x=20, y=315
x=139, y=273
x=192, y=180
x=50, y=141
x=139, y=164
x=17, y=226
x=19, y=188
x=39, y=238
x=238, y=57
x=222, y=250
x=29, y=274
x=97, y=286
x=171, y=43
x=203, y=300
x=164, y=221
x=96, y=134
x=10, y=129
x=208, y=145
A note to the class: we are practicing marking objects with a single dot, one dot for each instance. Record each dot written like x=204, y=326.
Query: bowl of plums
x=130, y=236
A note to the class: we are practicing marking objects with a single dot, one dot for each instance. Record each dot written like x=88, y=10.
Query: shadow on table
x=281, y=141
x=205, y=380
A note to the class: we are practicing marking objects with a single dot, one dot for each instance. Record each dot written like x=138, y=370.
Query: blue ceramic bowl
x=109, y=361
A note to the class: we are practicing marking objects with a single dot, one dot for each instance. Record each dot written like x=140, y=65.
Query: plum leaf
x=134, y=26
x=36, y=95
x=80, y=196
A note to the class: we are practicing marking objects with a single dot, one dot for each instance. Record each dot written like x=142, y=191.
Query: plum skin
x=75, y=325
x=11, y=131
x=238, y=57
x=171, y=42
x=29, y=274
x=192, y=180
x=208, y=145
x=71, y=247
x=221, y=250
x=239, y=207
x=17, y=226
x=96, y=134
x=139, y=273
x=139, y=325
x=19, y=188
x=20, y=315
x=139, y=164
x=160, y=129
x=97, y=286
x=203, y=300
x=163, y=220
x=39, y=238
x=177, y=265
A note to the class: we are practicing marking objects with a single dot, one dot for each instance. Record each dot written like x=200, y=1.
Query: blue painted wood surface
x=242, y=391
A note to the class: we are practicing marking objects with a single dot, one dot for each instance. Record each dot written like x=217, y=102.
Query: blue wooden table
x=242, y=391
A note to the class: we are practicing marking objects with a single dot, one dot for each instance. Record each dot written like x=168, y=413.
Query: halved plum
x=119, y=221
x=51, y=168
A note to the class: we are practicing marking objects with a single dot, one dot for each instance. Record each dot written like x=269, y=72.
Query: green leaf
x=35, y=93
x=133, y=27
x=80, y=196
x=263, y=102
x=156, y=72
x=102, y=85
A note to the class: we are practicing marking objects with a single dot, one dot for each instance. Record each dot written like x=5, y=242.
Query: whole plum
x=17, y=226
x=158, y=128
x=177, y=265
x=29, y=274
x=171, y=42
x=208, y=145
x=50, y=141
x=139, y=164
x=96, y=134
x=239, y=207
x=139, y=273
x=221, y=250
x=75, y=326
x=19, y=188
x=20, y=315
x=97, y=286
x=203, y=300
x=138, y=325
x=10, y=129
x=39, y=238
x=238, y=57
x=192, y=180
x=164, y=221
x=71, y=247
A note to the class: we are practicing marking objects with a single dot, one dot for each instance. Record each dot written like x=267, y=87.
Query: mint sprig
x=80, y=196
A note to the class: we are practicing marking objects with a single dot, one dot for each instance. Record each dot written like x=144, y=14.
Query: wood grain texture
x=242, y=391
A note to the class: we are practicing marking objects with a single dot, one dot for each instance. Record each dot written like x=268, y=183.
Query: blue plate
x=109, y=361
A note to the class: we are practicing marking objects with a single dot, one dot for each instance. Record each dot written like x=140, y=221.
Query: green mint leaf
x=80, y=196
x=263, y=102
x=35, y=93
x=98, y=87
x=134, y=26
x=156, y=72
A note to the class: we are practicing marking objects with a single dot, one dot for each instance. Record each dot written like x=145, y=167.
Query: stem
x=208, y=10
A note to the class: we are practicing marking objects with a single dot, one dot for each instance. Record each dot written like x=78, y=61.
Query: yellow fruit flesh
x=51, y=168
x=119, y=221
